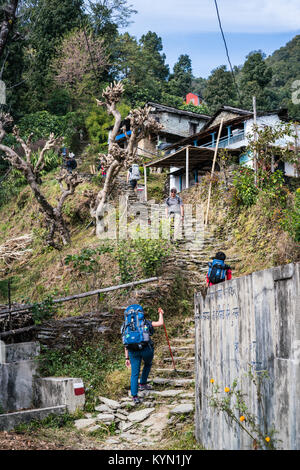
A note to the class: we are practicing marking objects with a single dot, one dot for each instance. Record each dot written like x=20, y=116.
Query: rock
x=84, y=423
x=94, y=428
x=184, y=408
x=168, y=393
x=125, y=426
x=126, y=404
x=141, y=415
x=121, y=416
x=187, y=395
x=113, y=404
x=105, y=417
x=103, y=409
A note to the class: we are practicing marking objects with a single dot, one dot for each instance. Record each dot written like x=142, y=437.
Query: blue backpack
x=217, y=271
x=135, y=329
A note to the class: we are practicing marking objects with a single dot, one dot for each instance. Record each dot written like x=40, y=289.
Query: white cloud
x=191, y=16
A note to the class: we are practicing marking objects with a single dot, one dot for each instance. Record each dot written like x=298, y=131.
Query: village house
x=177, y=124
x=190, y=158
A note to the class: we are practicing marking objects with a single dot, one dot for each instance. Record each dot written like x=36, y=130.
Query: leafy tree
x=107, y=16
x=220, y=89
x=8, y=11
x=142, y=66
x=48, y=21
x=285, y=65
x=255, y=77
x=181, y=80
x=154, y=64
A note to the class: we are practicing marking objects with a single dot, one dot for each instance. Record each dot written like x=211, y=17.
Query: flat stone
x=84, y=423
x=105, y=417
x=121, y=416
x=188, y=395
x=103, y=409
x=184, y=408
x=93, y=428
x=113, y=404
x=125, y=426
x=141, y=415
x=168, y=393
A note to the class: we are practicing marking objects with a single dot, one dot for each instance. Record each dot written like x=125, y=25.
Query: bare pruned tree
x=117, y=158
x=32, y=173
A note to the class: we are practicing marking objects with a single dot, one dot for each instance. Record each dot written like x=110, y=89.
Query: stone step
x=180, y=348
x=175, y=382
x=179, y=359
x=172, y=372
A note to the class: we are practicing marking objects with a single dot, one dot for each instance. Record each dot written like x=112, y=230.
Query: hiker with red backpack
x=136, y=332
x=218, y=271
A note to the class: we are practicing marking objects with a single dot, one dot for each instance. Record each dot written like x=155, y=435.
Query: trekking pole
x=170, y=348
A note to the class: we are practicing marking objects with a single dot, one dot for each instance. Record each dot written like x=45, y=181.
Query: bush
x=141, y=257
x=291, y=220
x=247, y=190
x=41, y=124
x=90, y=362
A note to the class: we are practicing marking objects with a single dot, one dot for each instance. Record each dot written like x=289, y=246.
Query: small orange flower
x=242, y=418
x=211, y=381
x=227, y=389
x=268, y=439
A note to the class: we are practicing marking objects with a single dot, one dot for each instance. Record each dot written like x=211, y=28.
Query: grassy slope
x=253, y=234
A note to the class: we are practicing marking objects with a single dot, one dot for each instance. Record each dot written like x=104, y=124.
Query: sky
x=191, y=27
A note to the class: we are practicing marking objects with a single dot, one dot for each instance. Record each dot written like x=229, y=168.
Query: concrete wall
x=250, y=321
x=17, y=369
x=55, y=391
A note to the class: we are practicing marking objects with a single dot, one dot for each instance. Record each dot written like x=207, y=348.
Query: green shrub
x=247, y=189
x=291, y=219
x=90, y=362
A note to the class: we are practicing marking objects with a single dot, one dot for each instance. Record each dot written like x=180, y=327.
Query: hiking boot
x=136, y=400
x=145, y=387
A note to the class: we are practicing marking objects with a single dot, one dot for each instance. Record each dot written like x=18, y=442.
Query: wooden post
x=255, y=139
x=145, y=183
x=187, y=157
x=9, y=303
x=212, y=171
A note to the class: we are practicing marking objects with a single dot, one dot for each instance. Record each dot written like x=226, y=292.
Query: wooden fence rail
x=27, y=307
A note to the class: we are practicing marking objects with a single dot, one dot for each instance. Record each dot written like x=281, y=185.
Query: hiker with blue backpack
x=136, y=332
x=218, y=271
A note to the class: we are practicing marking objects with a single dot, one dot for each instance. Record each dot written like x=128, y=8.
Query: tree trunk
x=6, y=25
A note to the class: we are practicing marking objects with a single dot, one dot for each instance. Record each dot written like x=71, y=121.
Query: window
x=193, y=128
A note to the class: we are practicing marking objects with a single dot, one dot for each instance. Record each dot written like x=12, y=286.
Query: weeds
x=232, y=402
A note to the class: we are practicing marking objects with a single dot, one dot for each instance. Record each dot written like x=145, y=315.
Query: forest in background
x=61, y=54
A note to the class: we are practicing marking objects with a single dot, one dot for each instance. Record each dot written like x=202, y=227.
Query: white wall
x=271, y=120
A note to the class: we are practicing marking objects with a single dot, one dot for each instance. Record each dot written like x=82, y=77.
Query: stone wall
x=252, y=321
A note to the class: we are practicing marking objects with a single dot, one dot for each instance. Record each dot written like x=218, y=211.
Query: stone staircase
x=170, y=403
